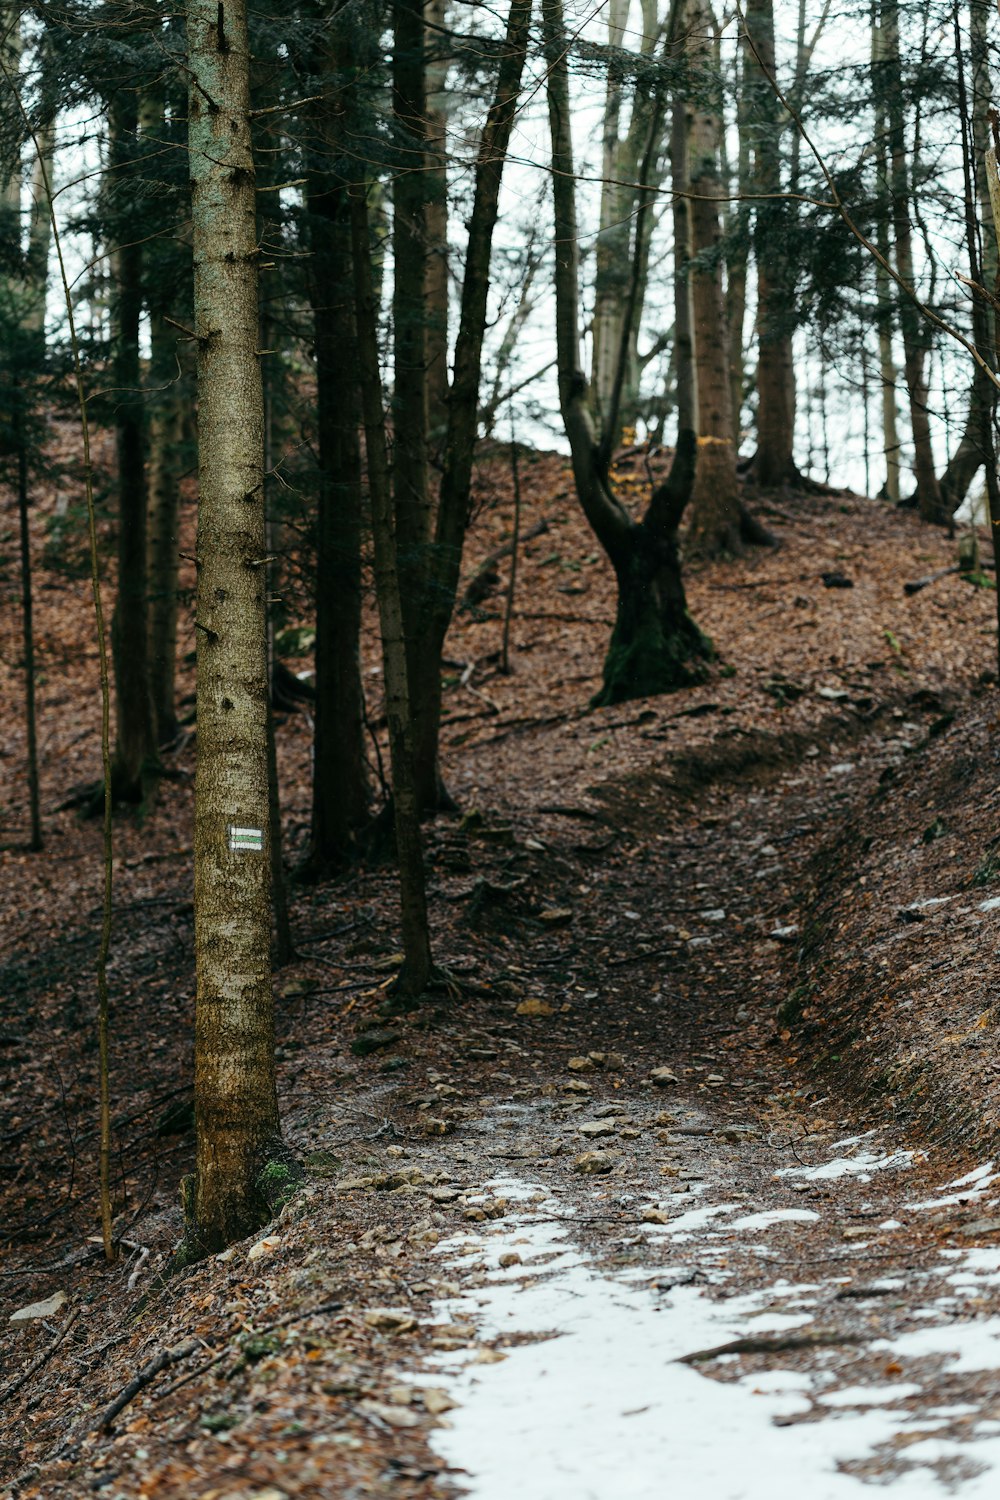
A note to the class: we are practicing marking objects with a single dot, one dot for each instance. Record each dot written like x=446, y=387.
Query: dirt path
x=722, y=979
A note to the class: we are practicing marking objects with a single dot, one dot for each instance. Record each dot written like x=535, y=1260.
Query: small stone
x=663, y=1076
x=390, y=1319
x=580, y=1065
x=443, y=1194
x=373, y=1041
x=509, y=1258
x=394, y=1151
x=784, y=934
x=556, y=916
x=436, y=1401
x=264, y=1247
x=593, y=1128
x=655, y=1216
x=714, y=914
x=535, y=1008
x=355, y=1184
x=395, y=1416
x=590, y=1163
x=436, y=1127
x=400, y=1395
x=39, y=1309
x=489, y=1357
x=577, y=1086
x=857, y=1233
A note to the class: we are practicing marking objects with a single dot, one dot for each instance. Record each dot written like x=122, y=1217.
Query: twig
x=761, y=1345
x=146, y=1375
x=15, y=1385
x=308, y=1312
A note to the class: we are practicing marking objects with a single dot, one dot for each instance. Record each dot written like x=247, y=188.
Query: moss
x=653, y=661
x=276, y=1184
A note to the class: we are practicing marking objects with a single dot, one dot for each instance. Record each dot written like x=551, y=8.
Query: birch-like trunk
x=236, y=1112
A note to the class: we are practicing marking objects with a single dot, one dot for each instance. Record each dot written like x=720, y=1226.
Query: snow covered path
x=703, y=1369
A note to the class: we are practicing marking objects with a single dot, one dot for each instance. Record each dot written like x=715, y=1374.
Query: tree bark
x=437, y=283
x=166, y=464
x=890, y=89
x=442, y=552
x=236, y=1112
x=774, y=463
x=416, y=971
x=341, y=789
x=716, y=519
x=135, y=741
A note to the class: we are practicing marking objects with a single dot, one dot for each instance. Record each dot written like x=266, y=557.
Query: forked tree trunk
x=236, y=1111
x=656, y=646
x=416, y=971
x=716, y=518
x=135, y=741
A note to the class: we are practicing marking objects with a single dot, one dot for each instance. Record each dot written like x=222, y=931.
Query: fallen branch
x=43, y=1358
x=761, y=1345
x=146, y=1375
x=486, y=578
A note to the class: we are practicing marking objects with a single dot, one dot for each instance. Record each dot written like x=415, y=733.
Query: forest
x=499, y=828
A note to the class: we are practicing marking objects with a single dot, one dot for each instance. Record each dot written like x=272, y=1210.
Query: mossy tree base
x=657, y=659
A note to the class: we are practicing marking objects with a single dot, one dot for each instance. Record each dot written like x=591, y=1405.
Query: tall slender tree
x=236, y=1112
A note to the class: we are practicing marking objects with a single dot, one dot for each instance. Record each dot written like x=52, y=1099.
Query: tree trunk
x=135, y=741
x=612, y=250
x=968, y=458
x=716, y=520
x=416, y=972
x=738, y=239
x=166, y=465
x=655, y=647
x=443, y=555
x=411, y=495
x=687, y=391
x=773, y=253
x=236, y=1112
x=437, y=286
x=341, y=790
x=888, y=72
x=884, y=317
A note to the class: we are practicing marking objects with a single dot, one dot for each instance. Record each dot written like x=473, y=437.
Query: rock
x=590, y=1163
x=858, y=1233
x=577, y=1086
x=784, y=934
x=535, y=1008
x=630, y=1133
x=714, y=914
x=580, y=1065
x=509, y=1258
x=444, y=1194
x=374, y=1040
x=400, y=1395
x=390, y=1319
x=489, y=1357
x=556, y=916
x=655, y=1216
x=594, y=1128
x=354, y=1184
x=395, y=1416
x=663, y=1076
x=264, y=1247
x=38, y=1309
x=436, y=1127
x=980, y=1226
x=436, y=1401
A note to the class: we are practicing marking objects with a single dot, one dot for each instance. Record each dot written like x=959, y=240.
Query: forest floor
x=688, y=1186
